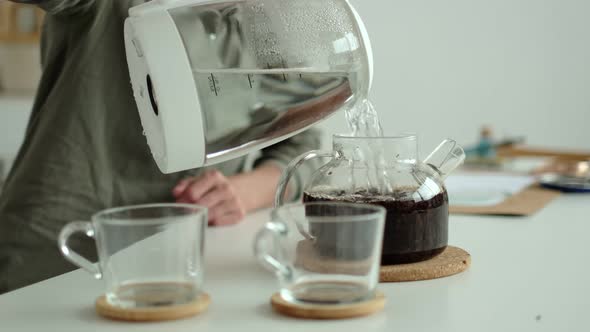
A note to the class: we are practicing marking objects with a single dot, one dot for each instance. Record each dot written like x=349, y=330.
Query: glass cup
x=149, y=255
x=323, y=253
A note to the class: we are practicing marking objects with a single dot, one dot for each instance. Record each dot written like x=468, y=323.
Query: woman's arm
x=230, y=198
x=281, y=154
x=257, y=187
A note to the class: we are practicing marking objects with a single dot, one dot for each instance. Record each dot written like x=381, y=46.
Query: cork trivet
x=451, y=261
x=323, y=311
x=195, y=307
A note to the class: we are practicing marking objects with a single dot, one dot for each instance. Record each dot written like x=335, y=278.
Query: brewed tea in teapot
x=415, y=197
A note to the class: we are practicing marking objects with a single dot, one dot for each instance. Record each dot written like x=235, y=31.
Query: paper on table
x=484, y=189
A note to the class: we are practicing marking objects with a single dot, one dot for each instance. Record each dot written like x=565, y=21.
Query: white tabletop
x=527, y=274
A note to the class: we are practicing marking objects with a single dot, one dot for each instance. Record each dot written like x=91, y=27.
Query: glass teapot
x=386, y=171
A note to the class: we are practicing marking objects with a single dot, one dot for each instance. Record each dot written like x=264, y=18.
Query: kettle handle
x=291, y=169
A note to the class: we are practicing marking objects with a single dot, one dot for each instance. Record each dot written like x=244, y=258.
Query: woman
x=84, y=149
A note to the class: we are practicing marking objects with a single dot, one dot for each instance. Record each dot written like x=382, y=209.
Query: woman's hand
x=230, y=198
x=216, y=192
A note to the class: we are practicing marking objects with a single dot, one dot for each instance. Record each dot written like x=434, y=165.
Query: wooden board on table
x=525, y=151
x=523, y=203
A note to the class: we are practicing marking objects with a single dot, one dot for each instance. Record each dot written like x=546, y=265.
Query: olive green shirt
x=84, y=149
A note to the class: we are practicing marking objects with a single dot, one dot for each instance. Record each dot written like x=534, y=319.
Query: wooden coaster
x=451, y=261
x=322, y=311
x=105, y=309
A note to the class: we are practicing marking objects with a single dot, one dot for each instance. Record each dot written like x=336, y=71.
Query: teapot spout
x=446, y=157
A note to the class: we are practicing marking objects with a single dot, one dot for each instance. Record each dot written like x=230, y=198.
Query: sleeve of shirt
x=61, y=7
x=281, y=154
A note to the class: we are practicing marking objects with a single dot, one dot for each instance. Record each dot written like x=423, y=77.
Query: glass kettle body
x=214, y=80
x=386, y=171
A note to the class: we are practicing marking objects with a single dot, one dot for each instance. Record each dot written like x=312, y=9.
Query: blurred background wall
x=20, y=27
x=442, y=69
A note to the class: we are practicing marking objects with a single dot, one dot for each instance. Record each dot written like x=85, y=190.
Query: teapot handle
x=292, y=168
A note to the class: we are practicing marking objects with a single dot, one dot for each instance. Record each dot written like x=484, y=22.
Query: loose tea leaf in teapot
x=414, y=230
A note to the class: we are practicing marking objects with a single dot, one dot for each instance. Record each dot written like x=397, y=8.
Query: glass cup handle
x=72, y=256
x=268, y=249
x=290, y=171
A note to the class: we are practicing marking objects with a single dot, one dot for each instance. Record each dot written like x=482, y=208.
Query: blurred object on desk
x=571, y=176
x=566, y=171
x=484, y=155
x=527, y=151
x=485, y=146
x=483, y=188
x=524, y=165
x=574, y=168
x=510, y=155
x=564, y=183
x=496, y=193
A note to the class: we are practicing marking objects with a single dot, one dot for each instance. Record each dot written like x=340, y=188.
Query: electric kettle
x=214, y=80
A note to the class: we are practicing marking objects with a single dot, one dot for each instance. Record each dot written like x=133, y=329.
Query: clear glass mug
x=149, y=255
x=323, y=253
